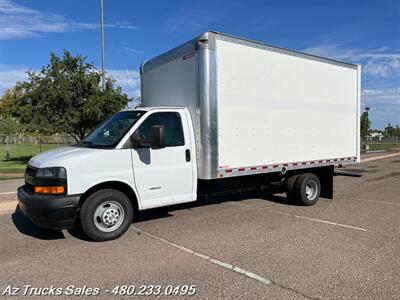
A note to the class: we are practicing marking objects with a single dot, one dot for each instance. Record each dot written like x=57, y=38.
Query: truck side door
x=164, y=176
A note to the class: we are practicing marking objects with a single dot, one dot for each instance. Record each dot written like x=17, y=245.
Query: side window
x=173, y=127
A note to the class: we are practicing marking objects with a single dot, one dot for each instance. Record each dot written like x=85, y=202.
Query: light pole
x=103, y=72
x=366, y=137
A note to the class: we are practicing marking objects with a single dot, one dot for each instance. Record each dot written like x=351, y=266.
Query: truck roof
x=147, y=108
x=285, y=50
x=211, y=35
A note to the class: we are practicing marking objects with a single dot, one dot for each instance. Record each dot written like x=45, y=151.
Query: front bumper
x=55, y=212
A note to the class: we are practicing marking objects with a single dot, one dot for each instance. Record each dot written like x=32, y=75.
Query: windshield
x=110, y=132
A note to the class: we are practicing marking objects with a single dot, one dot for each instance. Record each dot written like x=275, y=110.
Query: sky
x=363, y=32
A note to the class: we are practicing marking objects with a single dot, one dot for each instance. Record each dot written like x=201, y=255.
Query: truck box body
x=219, y=114
x=258, y=108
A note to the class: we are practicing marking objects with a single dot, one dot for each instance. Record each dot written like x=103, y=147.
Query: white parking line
x=376, y=201
x=302, y=217
x=205, y=257
x=392, y=187
x=330, y=223
x=7, y=207
x=8, y=193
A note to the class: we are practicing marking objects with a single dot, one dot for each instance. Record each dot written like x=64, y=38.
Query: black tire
x=302, y=182
x=290, y=187
x=113, y=201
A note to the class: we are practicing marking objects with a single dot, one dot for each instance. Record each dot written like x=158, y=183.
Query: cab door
x=165, y=176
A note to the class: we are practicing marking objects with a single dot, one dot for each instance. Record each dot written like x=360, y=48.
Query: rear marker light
x=288, y=164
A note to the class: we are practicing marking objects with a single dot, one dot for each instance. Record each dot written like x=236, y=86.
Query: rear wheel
x=106, y=215
x=307, y=189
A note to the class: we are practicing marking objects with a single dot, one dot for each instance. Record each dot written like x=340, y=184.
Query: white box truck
x=218, y=113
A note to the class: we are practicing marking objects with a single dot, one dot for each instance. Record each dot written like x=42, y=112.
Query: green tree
x=389, y=130
x=365, y=123
x=397, y=131
x=66, y=96
x=8, y=126
x=8, y=100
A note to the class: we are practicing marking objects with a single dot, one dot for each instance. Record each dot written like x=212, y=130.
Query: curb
x=379, y=157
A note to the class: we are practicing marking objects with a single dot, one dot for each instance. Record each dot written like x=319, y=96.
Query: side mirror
x=156, y=141
x=138, y=142
x=157, y=137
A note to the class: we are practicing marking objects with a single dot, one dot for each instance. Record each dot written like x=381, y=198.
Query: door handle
x=187, y=155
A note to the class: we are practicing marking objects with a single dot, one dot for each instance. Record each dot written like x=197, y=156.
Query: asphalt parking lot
x=239, y=246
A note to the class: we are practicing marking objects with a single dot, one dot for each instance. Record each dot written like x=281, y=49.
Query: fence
x=36, y=139
x=379, y=143
x=15, y=146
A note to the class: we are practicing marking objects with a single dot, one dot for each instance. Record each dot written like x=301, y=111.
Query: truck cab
x=137, y=159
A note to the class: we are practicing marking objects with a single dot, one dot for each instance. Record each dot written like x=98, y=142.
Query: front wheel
x=106, y=215
x=308, y=189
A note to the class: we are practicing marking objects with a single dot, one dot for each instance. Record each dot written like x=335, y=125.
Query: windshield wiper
x=88, y=143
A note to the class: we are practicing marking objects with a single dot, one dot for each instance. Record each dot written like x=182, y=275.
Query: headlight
x=54, y=172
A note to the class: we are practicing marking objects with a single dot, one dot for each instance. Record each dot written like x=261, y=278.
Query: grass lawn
x=19, y=156
x=383, y=145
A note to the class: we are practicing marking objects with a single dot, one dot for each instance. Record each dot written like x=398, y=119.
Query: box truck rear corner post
x=218, y=113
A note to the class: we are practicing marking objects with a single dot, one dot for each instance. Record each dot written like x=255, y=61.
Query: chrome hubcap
x=311, y=190
x=109, y=216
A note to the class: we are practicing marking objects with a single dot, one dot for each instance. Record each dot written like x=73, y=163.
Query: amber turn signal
x=49, y=189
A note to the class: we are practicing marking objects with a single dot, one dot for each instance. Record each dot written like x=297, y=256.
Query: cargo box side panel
x=276, y=108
